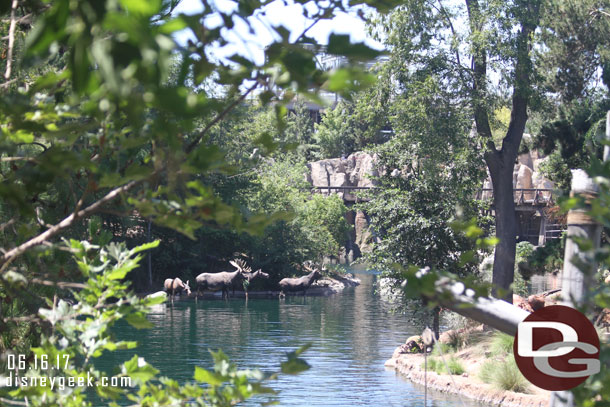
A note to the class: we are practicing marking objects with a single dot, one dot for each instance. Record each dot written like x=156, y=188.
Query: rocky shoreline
x=467, y=384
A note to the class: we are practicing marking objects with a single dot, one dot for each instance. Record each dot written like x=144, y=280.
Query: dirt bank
x=467, y=384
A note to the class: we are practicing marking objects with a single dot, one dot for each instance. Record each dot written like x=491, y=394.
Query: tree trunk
x=501, y=170
x=436, y=319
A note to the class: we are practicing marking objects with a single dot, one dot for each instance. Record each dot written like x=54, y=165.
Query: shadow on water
x=351, y=333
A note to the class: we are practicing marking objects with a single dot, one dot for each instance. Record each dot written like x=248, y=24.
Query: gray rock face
x=354, y=171
x=527, y=175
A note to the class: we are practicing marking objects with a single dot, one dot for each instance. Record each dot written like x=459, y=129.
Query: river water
x=351, y=333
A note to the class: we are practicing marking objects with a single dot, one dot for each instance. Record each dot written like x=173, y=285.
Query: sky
x=251, y=46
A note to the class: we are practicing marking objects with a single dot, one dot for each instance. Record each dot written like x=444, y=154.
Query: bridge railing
x=346, y=191
x=339, y=189
x=524, y=196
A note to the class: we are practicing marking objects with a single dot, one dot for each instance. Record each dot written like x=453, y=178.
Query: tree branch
x=60, y=284
x=441, y=9
x=479, y=67
x=11, y=40
x=521, y=88
x=218, y=118
x=12, y=254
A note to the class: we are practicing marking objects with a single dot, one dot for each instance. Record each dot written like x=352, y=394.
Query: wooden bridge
x=525, y=198
x=535, y=223
x=346, y=192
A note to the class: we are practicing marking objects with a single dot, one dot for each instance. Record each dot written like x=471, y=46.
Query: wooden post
x=607, y=148
x=579, y=267
x=150, y=279
x=542, y=230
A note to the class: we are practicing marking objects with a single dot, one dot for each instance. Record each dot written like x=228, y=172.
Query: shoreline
x=408, y=366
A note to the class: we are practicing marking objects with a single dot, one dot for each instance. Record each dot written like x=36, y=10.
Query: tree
x=431, y=173
x=488, y=55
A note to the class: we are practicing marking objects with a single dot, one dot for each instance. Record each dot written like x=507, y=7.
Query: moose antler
x=307, y=266
x=241, y=265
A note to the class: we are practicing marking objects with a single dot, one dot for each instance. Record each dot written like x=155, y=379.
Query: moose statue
x=250, y=276
x=299, y=283
x=221, y=281
x=173, y=286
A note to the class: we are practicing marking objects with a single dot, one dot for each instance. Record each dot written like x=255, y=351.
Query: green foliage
x=502, y=344
x=453, y=366
x=317, y=228
x=524, y=251
x=545, y=259
x=508, y=377
x=81, y=331
x=571, y=136
x=504, y=375
x=443, y=349
x=334, y=135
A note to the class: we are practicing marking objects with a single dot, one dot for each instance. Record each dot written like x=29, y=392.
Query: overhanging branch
x=12, y=254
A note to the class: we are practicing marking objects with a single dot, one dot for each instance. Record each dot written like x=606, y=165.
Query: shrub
x=442, y=349
x=438, y=366
x=508, y=377
x=488, y=370
x=454, y=365
x=502, y=344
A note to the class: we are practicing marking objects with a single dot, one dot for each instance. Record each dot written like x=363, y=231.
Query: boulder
x=526, y=159
x=320, y=172
x=524, y=181
x=522, y=303
x=364, y=237
x=413, y=344
x=536, y=301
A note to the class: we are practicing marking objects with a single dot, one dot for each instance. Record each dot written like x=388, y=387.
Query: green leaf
x=205, y=376
x=14, y=278
x=138, y=320
x=155, y=298
x=339, y=44
x=144, y=8
x=294, y=366
x=145, y=246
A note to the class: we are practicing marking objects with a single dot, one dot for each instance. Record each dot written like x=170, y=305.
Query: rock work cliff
x=526, y=175
x=356, y=170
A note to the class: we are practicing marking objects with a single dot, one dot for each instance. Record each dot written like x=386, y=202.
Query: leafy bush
x=82, y=330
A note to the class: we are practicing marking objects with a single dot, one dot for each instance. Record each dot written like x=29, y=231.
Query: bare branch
x=12, y=402
x=12, y=254
x=11, y=40
x=220, y=116
x=10, y=159
x=9, y=223
x=60, y=284
x=7, y=83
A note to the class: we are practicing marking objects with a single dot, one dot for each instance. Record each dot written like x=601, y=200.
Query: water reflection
x=351, y=336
